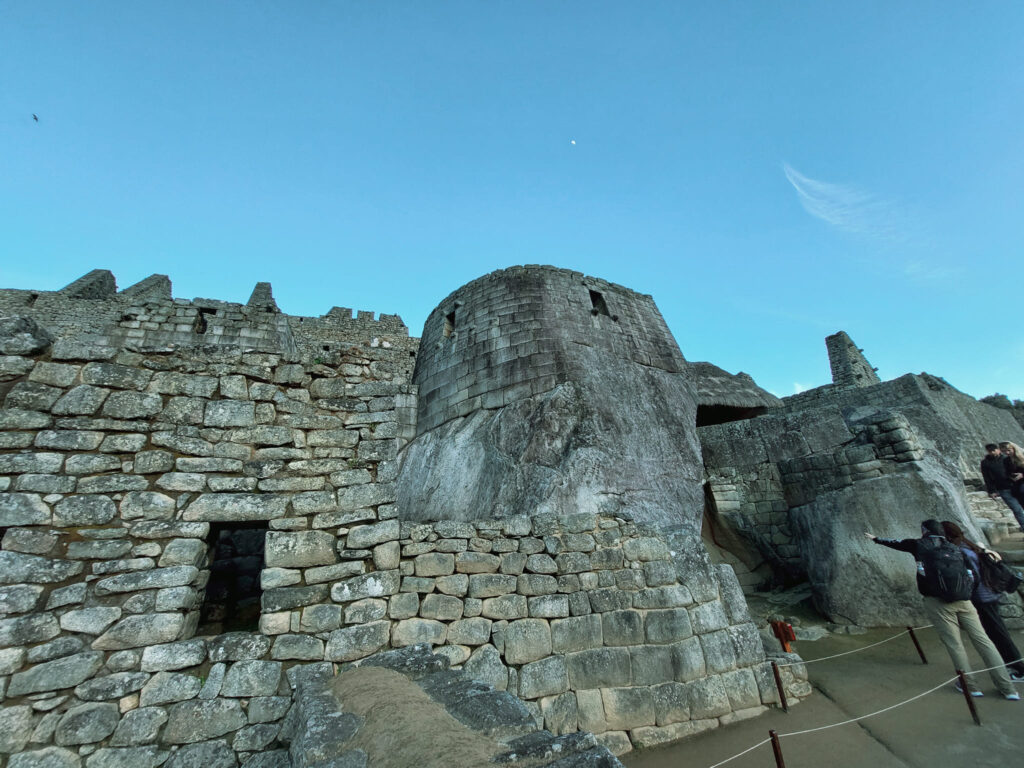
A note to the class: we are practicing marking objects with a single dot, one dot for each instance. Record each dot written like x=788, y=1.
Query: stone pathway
x=935, y=730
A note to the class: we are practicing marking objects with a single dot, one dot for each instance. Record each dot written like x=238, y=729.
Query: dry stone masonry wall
x=199, y=514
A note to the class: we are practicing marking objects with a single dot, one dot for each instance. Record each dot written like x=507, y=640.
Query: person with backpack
x=946, y=582
x=985, y=597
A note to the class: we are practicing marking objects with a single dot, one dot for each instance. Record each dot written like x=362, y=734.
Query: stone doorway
x=233, y=593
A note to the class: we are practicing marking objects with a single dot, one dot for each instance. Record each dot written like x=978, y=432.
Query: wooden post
x=968, y=697
x=920, y=652
x=777, y=749
x=782, y=690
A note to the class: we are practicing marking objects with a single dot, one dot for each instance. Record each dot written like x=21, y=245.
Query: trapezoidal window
x=449, y=325
x=233, y=593
x=598, y=303
x=200, y=324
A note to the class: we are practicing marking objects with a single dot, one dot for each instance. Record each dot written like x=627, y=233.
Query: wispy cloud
x=848, y=208
x=798, y=387
x=924, y=271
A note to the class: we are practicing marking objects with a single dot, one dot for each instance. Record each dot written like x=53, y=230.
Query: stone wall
x=509, y=335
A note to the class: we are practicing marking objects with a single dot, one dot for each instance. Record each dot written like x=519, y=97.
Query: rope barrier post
x=968, y=697
x=920, y=652
x=782, y=690
x=777, y=749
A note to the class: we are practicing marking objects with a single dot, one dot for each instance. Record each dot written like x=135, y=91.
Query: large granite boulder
x=22, y=336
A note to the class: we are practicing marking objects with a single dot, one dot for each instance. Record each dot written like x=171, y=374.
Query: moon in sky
x=573, y=142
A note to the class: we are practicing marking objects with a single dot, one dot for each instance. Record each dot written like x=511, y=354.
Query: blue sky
x=770, y=172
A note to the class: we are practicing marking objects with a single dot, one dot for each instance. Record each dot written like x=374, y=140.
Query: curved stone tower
x=542, y=390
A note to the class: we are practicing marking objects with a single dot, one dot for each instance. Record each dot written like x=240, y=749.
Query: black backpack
x=946, y=574
x=998, y=576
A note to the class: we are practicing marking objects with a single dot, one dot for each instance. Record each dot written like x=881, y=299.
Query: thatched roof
x=718, y=387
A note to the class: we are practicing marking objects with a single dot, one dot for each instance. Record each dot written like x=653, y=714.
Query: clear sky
x=771, y=172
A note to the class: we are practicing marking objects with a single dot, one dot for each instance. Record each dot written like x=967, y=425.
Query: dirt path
x=935, y=731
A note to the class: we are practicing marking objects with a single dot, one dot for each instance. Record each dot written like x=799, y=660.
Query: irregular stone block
x=47, y=757
x=140, y=631
x=37, y=463
x=110, y=687
x=599, y=668
x=413, y=631
x=19, y=418
x=546, y=677
x=301, y=647
x=626, y=708
x=548, y=606
x=157, y=578
x=83, y=400
x=287, y=598
x=578, y=633
x=651, y=664
x=15, y=728
x=19, y=598
x=719, y=653
x=667, y=626
x=300, y=549
x=645, y=549
x=561, y=717
x=139, y=726
x=335, y=572
x=688, y=660
x=89, y=621
x=708, y=698
x=622, y=628
x=708, y=617
x=484, y=585
x=672, y=596
x=116, y=376
x=353, y=643
x=173, y=655
x=536, y=584
x=87, y=724
x=541, y=564
x=363, y=611
x=169, y=687
x=31, y=396
x=16, y=568
x=251, y=678
x=236, y=507
x=112, y=483
x=671, y=703
x=434, y=564
x=238, y=646
x=527, y=640
x=23, y=509
x=365, y=536
x=505, y=607
x=25, y=630
x=84, y=510
x=132, y=405
x=191, y=721
x=178, y=552
x=473, y=631
x=230, y=413
x=477, y=562
x=376, y=584
x=135, y=757
x=108, y=549
x=29, y=541
x=173, y=383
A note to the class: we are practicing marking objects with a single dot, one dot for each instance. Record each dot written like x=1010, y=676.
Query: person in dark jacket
x=986, y=601
x=997, y=470
x=949, y=618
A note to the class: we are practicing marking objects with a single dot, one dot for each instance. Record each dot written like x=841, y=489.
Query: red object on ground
x=784, y=633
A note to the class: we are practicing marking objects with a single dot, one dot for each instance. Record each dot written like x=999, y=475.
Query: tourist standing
x=1015, y=454
x=986, y=601
x=996, y=471
x=945, y=582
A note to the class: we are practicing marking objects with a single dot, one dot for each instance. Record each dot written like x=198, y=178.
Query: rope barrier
x=847, y=653
x=741, y=754
x=943, y=684
x=889, y=708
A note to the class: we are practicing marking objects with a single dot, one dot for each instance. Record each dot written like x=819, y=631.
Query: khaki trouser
x=949, y=619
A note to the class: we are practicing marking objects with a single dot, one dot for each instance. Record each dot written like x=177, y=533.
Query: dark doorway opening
x=233, y=593
x=720, y=414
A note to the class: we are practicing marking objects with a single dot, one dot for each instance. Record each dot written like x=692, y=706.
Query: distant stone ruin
x=209, y=509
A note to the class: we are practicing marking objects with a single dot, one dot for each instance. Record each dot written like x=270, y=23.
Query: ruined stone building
x=207, y=507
